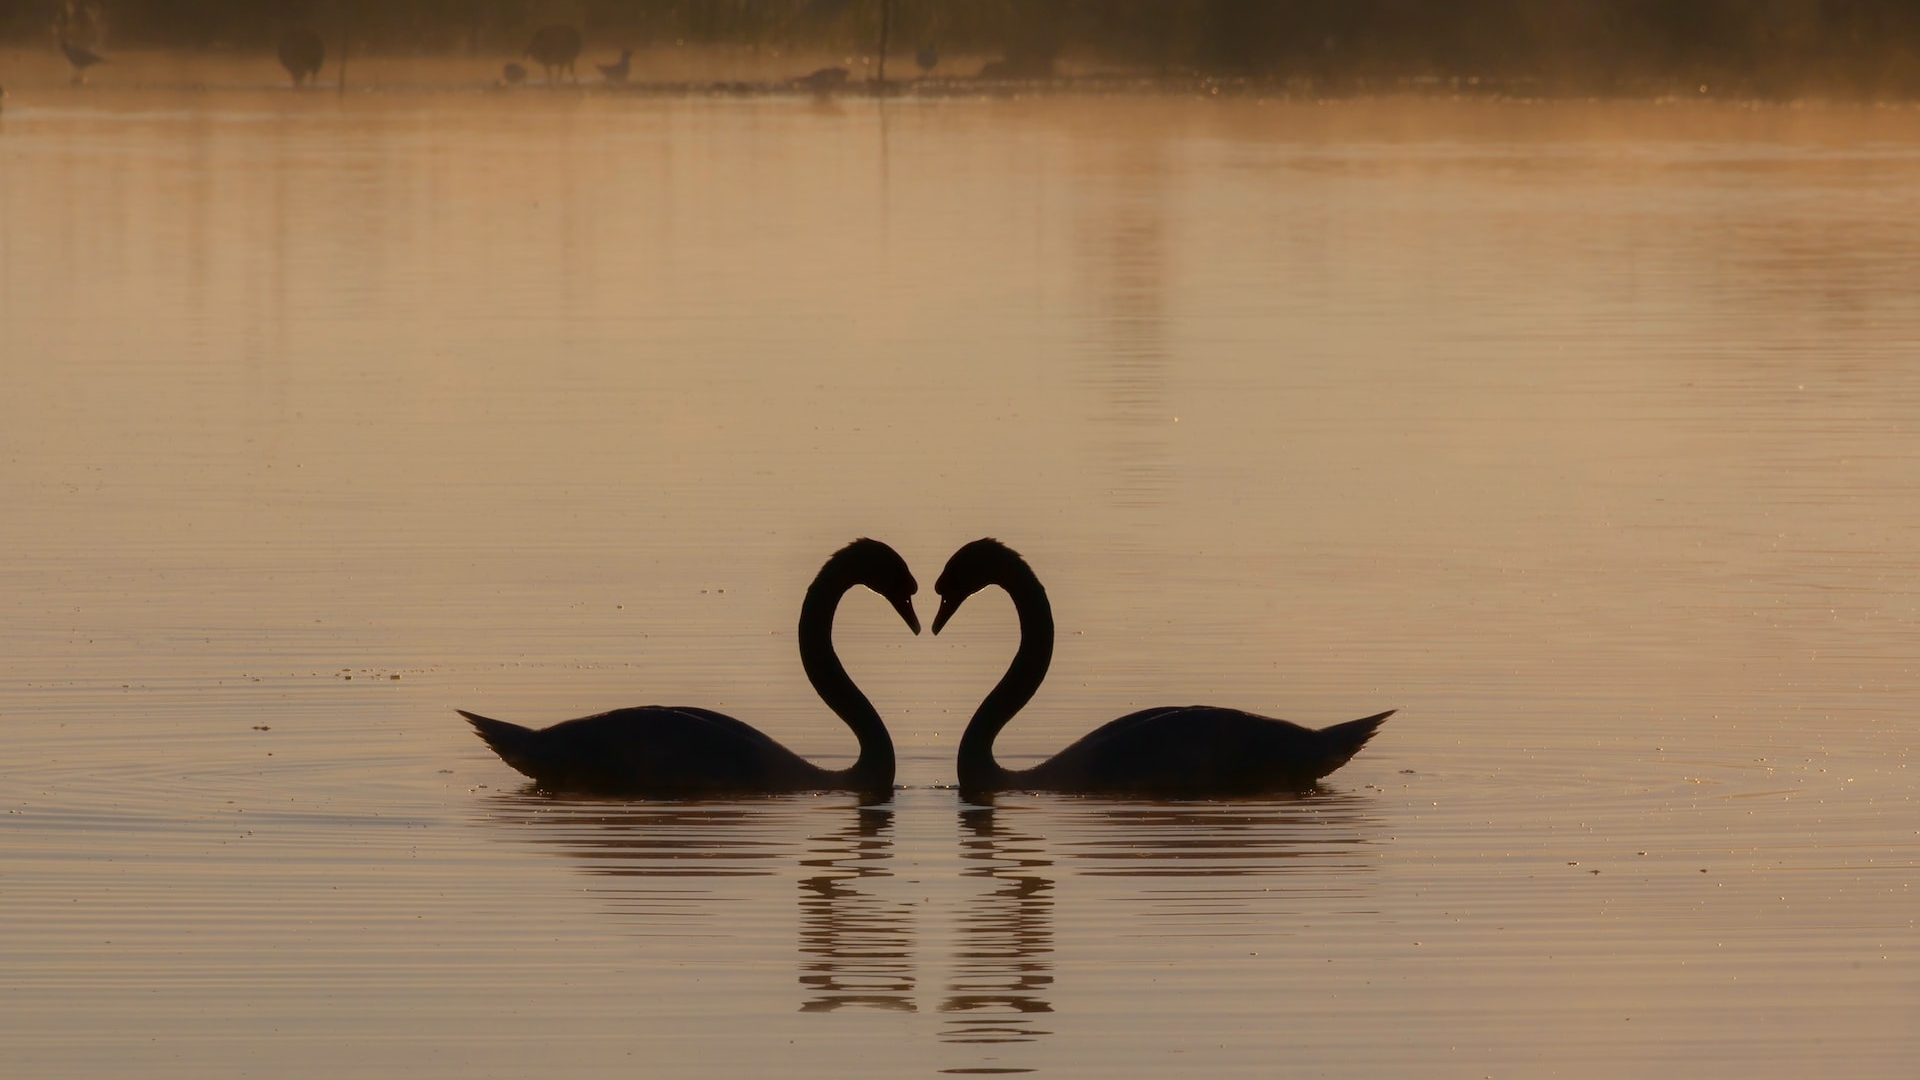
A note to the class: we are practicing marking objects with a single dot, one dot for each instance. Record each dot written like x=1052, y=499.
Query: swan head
x=880, y=568
x=984, y=562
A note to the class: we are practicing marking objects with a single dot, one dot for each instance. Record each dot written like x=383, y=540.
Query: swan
x=667, y=751
x=1182, y=750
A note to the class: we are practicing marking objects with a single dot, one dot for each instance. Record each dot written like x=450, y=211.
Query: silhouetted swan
x=81, y=58
x=301, y=53
x=554, y=48
x=616, y=74
x=663, y=751
x=1181, y=750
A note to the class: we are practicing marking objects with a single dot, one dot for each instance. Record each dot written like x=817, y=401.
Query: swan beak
x=948, y=605
x=904, y=605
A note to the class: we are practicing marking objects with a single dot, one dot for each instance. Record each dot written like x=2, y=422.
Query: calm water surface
x=1586, y=436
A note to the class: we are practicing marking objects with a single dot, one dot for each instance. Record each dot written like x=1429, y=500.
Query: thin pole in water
x=345, y=37
x=886, y=28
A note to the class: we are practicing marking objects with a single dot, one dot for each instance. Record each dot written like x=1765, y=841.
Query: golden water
x=1584, y=435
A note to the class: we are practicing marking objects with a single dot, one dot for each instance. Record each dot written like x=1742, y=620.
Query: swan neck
x=830, y=680
x=977, y=768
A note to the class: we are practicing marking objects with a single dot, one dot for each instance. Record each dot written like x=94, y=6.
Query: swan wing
x=649, y=751
x=1203, y=749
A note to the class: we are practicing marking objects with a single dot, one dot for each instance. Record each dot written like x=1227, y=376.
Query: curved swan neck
x=830, y=680
x=976, y=766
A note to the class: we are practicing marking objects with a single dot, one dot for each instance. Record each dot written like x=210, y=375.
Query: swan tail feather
x=511, y=741
x=1342, y=741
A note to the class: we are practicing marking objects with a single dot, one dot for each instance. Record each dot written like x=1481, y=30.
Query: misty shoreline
x=1855, y=50
x=726, y=72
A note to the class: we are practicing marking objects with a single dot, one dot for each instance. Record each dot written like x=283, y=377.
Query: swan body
x=651, y=750
x=1181, y=750
x=666, y=751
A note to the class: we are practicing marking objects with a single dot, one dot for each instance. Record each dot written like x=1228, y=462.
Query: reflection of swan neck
x=976, y=765
x=830, y=679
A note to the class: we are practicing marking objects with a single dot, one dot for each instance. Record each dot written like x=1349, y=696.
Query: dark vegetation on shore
x=1765, y=48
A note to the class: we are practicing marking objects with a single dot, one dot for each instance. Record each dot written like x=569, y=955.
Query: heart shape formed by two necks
x=659, y=751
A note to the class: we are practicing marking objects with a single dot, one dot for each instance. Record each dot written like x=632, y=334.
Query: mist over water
x=1856, y=49
x=1580, y=433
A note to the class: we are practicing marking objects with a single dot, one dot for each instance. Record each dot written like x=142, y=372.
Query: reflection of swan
x=1002, y=968
x=1234, y=852
x=677, y=869
x=677, y=751
x=856, y=948
x=653, y=845
x=1178, y=750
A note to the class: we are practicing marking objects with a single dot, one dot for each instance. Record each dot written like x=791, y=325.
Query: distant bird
x=1179, y=751
x=512, y=74
x=824, y=80
x=81, y=58
x=617, y=73
x=301, y=53
x=555, y=48
x=928, y=58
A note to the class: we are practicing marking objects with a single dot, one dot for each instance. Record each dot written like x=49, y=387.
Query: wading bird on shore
x=617, y=73
x=1180, y=751
x=81, y=58
x=301, y=53
x=825, y=80
x=555, y=48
